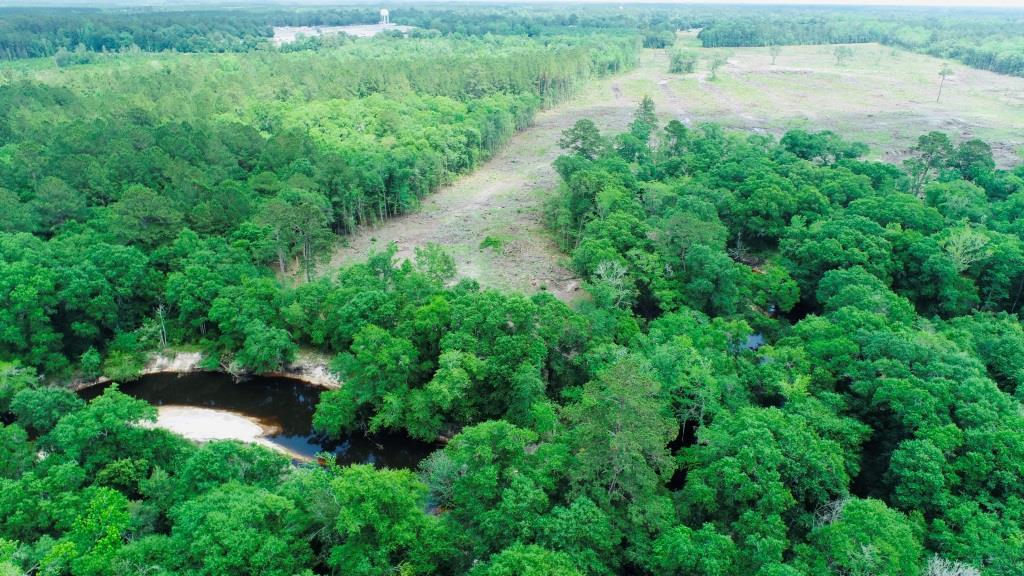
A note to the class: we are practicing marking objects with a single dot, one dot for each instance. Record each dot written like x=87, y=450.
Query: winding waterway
x=282, y=407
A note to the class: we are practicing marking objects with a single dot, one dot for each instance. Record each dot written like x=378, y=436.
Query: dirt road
x=503, y=198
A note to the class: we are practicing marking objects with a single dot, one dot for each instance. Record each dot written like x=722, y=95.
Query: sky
x=945, y=3
x=954, y=3
x=965, y=3
x=962, y=3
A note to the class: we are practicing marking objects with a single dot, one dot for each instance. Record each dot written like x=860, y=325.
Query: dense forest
x=794, y=361
x=983, y=38
x=885, y=409
x=788, y=360
x=35, y=32
x=142, y=184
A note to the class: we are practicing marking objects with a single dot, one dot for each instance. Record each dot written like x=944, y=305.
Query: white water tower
x=384, y=16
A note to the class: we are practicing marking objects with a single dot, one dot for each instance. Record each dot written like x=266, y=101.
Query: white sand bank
x=206, y=424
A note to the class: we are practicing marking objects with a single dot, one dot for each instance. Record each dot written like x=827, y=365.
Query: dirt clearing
x=503, y=198
x=882, y=97
x=287, y=34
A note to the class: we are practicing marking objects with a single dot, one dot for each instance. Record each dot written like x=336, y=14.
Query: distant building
x=384, y=16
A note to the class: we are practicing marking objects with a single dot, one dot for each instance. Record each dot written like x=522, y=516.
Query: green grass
x=882, y=97
x=496, y=243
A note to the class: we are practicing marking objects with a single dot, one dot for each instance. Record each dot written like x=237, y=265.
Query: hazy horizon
x=285, y=3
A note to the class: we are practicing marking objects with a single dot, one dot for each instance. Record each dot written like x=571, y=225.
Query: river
x=281, y=407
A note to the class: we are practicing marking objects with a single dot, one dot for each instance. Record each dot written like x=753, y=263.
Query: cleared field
x=503, y=199
x=286, y=34
x=882, y=97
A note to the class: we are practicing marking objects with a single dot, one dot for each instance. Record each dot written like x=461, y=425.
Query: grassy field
x=883, y=97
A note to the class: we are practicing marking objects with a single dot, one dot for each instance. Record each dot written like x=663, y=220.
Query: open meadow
x=882, y=96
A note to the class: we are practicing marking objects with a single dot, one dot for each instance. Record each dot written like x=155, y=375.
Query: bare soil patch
x=286, y=34
x=504, y=197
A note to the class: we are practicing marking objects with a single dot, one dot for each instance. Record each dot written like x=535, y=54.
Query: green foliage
x=772, y=326
x=446, y=359
x=266, y=349
x=529, y=560
x=14, y=378
x=123, y=365
x=142, y=214
x=682, y=62
x=218, y=463
x=619, y=435
x=686, y=551
x=843, y=55
x=90, y=363
x=103, y=431
x=39, y=409
x=380, y=523
x=825, y=147
x=16, y=451
x=94, y=538
x=583, y=139
x=715, y=64
x=863, y=537
x=143, y=217
x=813, y=250
x=238, y=529
x=756, y=492
x=492, y=242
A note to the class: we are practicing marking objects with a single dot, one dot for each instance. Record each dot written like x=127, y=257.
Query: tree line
x=984, y=39
x=990, y=40
x=77, y=34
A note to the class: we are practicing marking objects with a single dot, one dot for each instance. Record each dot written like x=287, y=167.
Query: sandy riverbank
x=308, y=367
x=205, y=424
